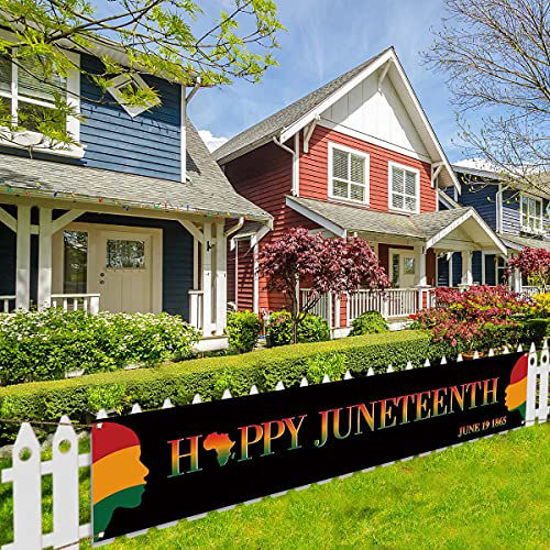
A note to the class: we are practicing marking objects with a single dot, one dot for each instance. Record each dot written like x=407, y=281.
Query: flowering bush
x=48, y=344
x=476, y=319
x=534, y=265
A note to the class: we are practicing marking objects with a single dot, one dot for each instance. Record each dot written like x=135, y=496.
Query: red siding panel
x=314, y=169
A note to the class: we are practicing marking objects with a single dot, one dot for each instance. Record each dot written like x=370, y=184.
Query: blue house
x=133, y=218
x=520, y=220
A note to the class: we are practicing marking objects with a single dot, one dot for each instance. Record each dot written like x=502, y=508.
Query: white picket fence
x=28, y=468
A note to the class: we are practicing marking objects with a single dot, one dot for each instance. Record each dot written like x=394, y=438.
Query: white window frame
x=391, y=166
x=26, y=138
x=527, y=228
x=114, y=85
x=366, y=183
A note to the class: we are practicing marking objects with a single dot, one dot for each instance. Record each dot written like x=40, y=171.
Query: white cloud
x=212, y=142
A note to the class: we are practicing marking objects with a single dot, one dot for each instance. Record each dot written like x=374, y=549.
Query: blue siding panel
x=457, y=268
x=476, y=267
x=483, y=198
x=490, y=272
x=442, y=272
x=147, y=145
x=510, y=212
x=7, y=253
x=177, y=258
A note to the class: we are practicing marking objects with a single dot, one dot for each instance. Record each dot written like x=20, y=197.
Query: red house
x=356, y=156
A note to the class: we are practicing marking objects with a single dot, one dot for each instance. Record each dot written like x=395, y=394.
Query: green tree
x=173, y=39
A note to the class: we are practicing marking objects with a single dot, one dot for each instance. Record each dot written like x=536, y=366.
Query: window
x=28, y=94
x=531, y=214
x=125, y=254
x=409, y=266
x=395, y=268
x=75, y=269
x=404, y=189
x=125, y=85
x=348, y=174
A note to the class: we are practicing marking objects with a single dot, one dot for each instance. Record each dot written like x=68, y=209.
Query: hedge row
x=81, y=397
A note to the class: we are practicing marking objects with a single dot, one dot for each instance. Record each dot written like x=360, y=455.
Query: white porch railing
x=195, y=308
x=391, y=303
x=323, y=308
x=529, y=291
x=72, y=302
x=7, y=304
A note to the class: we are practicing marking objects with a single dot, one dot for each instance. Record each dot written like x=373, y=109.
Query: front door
x=402, y=268
x=124, y=271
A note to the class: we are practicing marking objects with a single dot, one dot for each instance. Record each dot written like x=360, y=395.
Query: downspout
x=183, y=126
x=295, y=158
x=235, y=228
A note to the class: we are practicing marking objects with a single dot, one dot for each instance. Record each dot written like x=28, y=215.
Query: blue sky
x=325, y=38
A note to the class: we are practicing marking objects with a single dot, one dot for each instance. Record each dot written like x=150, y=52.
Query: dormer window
x=348, y=174
x=531, y=214
x=124, y=86
x=404, y=188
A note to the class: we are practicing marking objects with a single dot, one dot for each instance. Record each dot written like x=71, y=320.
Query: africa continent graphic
x=222, y=444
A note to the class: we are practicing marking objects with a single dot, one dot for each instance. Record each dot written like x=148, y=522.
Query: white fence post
x=26, y=477
x=531, y=388
x=544, y=372
x=65, y=487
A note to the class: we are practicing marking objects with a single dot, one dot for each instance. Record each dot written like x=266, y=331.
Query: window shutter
x=397, y=180
x=339, y=164
x=357, y=169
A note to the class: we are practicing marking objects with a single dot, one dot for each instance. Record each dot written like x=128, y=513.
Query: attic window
x=348, y=173
x=404, y=186
x=124, y=84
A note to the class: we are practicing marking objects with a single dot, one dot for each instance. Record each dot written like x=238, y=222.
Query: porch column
x=467, y=277
x=516, y=281
x=23, y=258
x=45, y=258
x=221, y=278
x=422, y=279
x=207, y=280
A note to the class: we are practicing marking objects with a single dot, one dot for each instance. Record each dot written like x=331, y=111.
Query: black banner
x=160, y=466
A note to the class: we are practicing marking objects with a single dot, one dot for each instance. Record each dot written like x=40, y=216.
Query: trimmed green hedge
x=80, y=397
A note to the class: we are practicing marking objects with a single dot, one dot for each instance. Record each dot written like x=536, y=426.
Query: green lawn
x=492, y=493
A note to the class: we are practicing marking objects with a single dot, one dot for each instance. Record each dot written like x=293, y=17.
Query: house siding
x=511, y=213
x=314, y=170
x=483, y=198
x=147, y=145
x=7, y=253
x=264, y=176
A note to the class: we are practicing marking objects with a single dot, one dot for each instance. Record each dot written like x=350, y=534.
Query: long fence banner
x=157, y=467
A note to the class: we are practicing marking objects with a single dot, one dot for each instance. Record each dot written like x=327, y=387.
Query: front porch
x=93, y=258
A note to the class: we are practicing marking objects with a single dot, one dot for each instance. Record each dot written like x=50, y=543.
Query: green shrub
x=370, y=322
x=310, y=329
x=48, y=344
x=334, y=366
x=80, y=397
x=243, y=329
x=534, y=330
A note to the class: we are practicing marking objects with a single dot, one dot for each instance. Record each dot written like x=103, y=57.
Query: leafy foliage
x=310, y=329
x=174, y=40
x=49, y=344
x=370, y=322
x=334, y=366
x=243, y=329
x=79, y=397
x=534, y=265
x=476, y=319
x=325, y=265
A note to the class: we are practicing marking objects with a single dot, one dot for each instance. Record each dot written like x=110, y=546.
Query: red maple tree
x=327, y=265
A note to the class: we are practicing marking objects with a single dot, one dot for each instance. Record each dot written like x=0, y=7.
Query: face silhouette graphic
x=516, y=392
x=118, y=475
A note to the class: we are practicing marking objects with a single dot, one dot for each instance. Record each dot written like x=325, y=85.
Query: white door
x=124, y=271
x=403, y=266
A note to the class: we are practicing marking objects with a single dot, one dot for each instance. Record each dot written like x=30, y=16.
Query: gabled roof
x=430, y=227
x=291, y=119
x=272, y=126
x=207, y=192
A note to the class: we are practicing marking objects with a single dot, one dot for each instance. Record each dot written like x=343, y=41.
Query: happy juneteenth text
x=255, y=440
